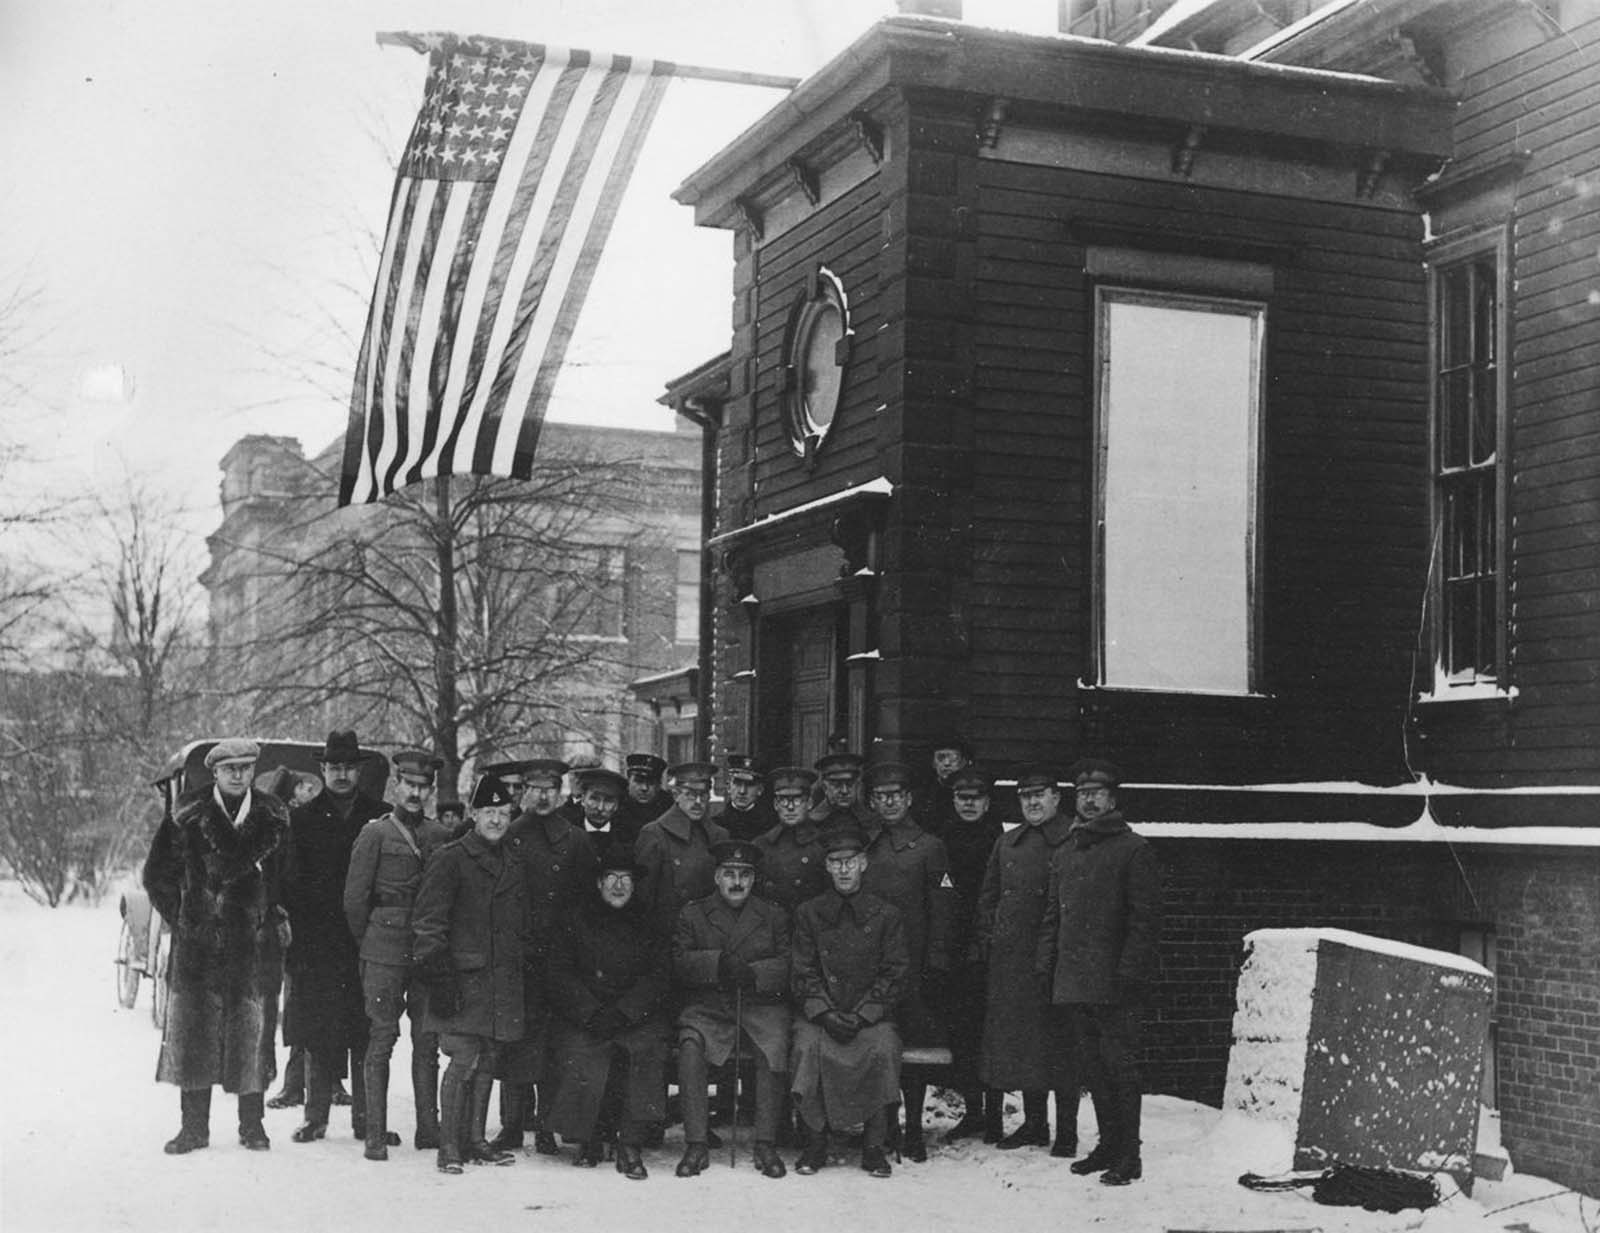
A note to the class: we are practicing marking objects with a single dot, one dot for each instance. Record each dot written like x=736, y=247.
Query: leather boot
x=513, y=1115
x=319, y=1096
x=358, y=1095
x=1035, y=1128
x=377, y=1087
x=454, y=1097
x=1066, y=1144
x=1127, y=1167
x=293, y=1091
x=477, y=1148
x=252, y=1131
x=1106, y=1150
x=425, y=1090
x=696, y=1160
x=194, y=1105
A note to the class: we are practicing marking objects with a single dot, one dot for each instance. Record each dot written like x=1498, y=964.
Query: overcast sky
x=196, y=193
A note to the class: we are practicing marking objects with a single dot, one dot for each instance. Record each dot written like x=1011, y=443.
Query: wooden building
x=1226, y=400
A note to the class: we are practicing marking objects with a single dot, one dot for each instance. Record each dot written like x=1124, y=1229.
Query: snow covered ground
x=82, y=1123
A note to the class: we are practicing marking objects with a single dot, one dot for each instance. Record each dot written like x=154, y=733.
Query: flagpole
x=734, y=77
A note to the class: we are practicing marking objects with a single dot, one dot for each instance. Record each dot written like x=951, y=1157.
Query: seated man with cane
x=730, y=957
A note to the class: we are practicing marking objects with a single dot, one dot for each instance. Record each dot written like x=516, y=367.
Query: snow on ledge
x=1424, y=830
x=880, y=487
x=1308, y=938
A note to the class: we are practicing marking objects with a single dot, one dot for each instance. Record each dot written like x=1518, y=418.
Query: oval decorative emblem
x=815, y=358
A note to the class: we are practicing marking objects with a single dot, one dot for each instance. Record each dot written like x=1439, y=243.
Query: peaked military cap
x=846, y=838
x=835, y=763
x=1095, y=771
x=782, y=777
x=1037, y=775
x=887, y=775
x=736, y=852
x=416, y=762
x=742, y=766
x=693, y=774
x=505, y=767
x=545, y=771
x=644, y=764
x=603, y=778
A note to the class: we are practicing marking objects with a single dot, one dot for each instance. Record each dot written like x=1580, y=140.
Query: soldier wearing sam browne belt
x=380, y=891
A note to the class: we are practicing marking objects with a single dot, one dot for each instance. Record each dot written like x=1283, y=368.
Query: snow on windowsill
x=1475, y=691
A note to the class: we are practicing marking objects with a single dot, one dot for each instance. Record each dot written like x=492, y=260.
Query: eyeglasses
x=617, y=876
x=841, y=862
x=889, y=794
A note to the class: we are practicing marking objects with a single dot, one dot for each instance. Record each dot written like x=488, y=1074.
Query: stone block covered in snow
x=1358, y=1050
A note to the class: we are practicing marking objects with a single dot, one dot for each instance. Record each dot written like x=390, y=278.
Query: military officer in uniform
x=792, y=868
x=746, y=813
x=558, y=861
x=609, y=977
x=730, y=958
x=911, y=869
x=675, y=850
x=850, y=970
x=646, y=798
x=839, y=775
x=380, y=891
x=470, y=944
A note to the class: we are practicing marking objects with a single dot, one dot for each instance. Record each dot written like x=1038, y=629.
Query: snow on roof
x=1308, y=939
x=881, y=487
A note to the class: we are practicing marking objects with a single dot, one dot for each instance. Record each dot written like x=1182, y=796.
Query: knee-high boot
x=912, y=1145
x=375, y=1081
x=513, y=1112
x=455, y=1095
x=477, y=1148
x=358, y=1093
x=1066, y=1143
x=425, y=1091
x=194, y=1105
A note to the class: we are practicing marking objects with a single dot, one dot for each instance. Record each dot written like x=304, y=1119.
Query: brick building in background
x=636, y=619
x=1224, y=399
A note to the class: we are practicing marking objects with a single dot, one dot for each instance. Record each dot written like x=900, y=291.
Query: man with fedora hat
x=558, y=864
x=325, y=1011
x=214, y=872
x=911, y=869
x=730, y=957
x=851, y=969
x=470, y=927
x=792, y=868
x=1098, y=952
x=746, y=813
x=675, y=849
x=1018, y=1053
x=609, y=977
x=646, y=799
x=380, y=892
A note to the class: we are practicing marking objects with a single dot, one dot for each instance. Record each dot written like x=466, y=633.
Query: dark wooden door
x=811, y=672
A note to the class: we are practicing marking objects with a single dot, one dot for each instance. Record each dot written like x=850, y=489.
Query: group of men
x=816, y=929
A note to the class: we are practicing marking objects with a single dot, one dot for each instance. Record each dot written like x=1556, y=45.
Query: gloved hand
x=733, y=971
x=839, y=1025
x=606, y=1023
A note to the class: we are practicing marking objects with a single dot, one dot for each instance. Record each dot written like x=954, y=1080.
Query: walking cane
x=738, y=1033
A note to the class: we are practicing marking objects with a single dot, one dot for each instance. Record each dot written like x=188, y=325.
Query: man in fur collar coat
x=215, y=873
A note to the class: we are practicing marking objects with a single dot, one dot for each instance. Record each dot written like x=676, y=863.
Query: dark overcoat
x=758, y=933
x=1016, y=1051
x=911, y=869
x=608, y=958
x=793, y=865
x=965, y=996
x=744, y=824
x=675, y=853
x=558, y=865
x=219, y=887
x=849, y=955
x=325, y=1010
x=472, y=914
x=381, y=887
x=1101, y=927
x=632, y=817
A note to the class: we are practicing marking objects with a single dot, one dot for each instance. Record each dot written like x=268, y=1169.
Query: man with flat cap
x=1018, y=1051
x=792, y=868
x=215, y=872
x=380, y=892
x=911, y=869
x=730, y=958
x=325, y=1012
x=600, y=794
x=470, y=929
x=839, y=779
x=949, y=755
x=969, y=837
x=558, y=863
x=646, y=798
x=675, y=850
x=850, y=970
x=745, y=814
x=1098, y=950
x=609, y=979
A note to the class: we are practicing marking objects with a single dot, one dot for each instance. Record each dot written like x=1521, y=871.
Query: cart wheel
x=127, y=973
x=160, y=993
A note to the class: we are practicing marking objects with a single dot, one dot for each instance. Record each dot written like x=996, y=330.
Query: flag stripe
x=507, y=191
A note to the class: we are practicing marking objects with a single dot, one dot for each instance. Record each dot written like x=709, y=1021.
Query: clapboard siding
x=1542, y=103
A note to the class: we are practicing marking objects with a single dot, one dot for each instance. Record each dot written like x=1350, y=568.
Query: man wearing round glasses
x=1098, y=949
x=792, y=869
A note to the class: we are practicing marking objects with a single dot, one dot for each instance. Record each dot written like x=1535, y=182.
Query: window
x=687, y=612
x=1179, y=406
x=1468, y=281
x=816, y=352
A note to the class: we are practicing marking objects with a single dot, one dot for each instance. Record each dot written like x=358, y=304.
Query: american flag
x=506, y=192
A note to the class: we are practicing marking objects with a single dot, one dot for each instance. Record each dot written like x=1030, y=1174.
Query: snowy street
x=82, y=1123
